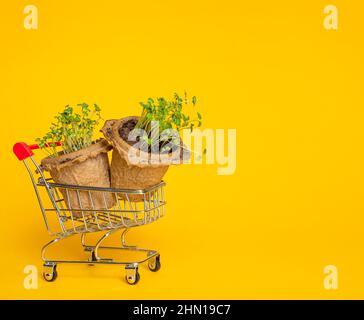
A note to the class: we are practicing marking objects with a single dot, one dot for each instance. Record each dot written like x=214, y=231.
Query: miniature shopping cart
x=63, y=221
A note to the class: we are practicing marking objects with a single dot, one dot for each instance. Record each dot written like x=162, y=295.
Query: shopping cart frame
x=124, y=215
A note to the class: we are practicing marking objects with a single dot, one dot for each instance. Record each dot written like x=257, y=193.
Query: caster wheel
x=154, y=264
x=92, y=259
x=93, y=256
x=132, y=275
x=50, y=273
x=134, y=280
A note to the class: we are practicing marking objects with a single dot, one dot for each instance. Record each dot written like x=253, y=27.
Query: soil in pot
x=127, y=127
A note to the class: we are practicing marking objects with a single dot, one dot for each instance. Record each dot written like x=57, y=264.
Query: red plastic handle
x=23, y=151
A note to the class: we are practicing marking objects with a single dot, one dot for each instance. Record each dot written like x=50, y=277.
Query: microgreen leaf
x=74, y=130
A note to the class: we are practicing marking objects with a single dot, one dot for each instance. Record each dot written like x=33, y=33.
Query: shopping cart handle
x=23, y=151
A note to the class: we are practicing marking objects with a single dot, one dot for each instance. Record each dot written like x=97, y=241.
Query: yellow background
x=292, y=90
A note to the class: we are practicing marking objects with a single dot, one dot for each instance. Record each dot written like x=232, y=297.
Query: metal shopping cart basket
x=62, y=221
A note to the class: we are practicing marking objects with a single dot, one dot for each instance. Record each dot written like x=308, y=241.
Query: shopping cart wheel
x=154, y=263
x=92, y=259
x=50, y=273
x=132, y=274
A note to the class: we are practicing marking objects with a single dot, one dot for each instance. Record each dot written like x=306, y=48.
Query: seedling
x=168, y=114
x=73, y=129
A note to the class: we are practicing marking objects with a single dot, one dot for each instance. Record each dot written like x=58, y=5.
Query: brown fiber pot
x=86, y=167
x=124, y=173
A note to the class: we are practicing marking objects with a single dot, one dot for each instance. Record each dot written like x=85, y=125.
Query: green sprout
x=169, y=114
x=73, y=129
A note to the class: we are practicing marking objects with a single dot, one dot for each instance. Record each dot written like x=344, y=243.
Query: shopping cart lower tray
x=124, y=209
